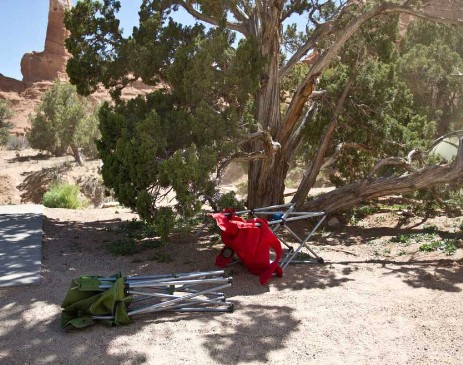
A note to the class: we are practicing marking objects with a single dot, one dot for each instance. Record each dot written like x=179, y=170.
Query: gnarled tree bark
x=367, y=189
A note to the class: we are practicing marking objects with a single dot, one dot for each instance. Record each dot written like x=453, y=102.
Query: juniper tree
x=222, y=95
x=61, y=121
x=5, y=124
x=431, y=63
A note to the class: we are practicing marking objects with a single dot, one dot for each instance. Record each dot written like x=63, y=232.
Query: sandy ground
x=373, y=302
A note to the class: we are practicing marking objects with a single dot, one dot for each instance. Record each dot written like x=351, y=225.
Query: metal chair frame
x=183, y=292
x=283, y=214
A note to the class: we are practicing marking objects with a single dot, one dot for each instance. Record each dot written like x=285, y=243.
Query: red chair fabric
x=251, y=243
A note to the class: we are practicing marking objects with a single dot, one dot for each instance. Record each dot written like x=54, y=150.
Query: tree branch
x=239, y=14
x=187, y=5
x=309, y=178
x=390, y=161
x=296, y=137
x=307, y=85
x=290, y=10
x=321, y=31
x=363, y=190
x=342, y=146
x=269, y=149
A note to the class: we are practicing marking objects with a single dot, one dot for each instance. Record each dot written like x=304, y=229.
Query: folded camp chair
x=253, y=252
x=279, y=217
x=116, y=299
x=252, y=241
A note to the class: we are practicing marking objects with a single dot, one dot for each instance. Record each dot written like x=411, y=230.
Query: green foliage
x=355, y=215
x=448, y=246
x=140, y=236
x=394, y=97
x=62, y=121
x=62, y=196
x=228, y=200
x=428, y=241
x=123, y=247
x=17, y=143
x=403, y=239
x=431, y=57
x=172, y=139
x=164, y=221
x=5, y=125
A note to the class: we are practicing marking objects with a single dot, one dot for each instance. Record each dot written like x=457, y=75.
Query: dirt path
x=359, y=308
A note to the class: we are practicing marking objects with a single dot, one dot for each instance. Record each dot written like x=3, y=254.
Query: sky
x=23, y=27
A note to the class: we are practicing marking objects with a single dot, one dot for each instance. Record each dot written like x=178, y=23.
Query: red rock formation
x=10, y=84
x=51, y=63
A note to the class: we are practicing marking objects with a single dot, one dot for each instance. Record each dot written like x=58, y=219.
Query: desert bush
x=63, y=196
x=5, y=125
x=123, y=247
x=63, y=121
x=16, y=143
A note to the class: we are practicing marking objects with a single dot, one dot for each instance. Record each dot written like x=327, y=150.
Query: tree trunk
x=76, y=153
x=266, y=182
x=266, y=177
x=360, y=191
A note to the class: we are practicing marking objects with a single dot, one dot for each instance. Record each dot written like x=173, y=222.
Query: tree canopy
x=237, y=90
x=64, y=120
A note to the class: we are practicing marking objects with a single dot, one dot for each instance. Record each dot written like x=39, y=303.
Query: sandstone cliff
x=51, y=63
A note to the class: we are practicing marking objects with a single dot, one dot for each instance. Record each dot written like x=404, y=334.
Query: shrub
x=16, y=143
x=5, y=126
x=124, y=247
x=448, y=246
x=62, y=196
x=62, y=121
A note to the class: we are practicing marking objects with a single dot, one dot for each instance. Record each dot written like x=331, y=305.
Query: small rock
x=110, y=205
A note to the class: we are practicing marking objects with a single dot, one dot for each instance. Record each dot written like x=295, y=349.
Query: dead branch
x=390, y=161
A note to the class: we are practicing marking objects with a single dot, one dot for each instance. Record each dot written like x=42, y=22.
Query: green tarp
x=85, y=299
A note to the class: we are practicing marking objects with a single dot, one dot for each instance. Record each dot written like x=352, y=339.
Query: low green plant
x=408, y=239
x=448, y=246
x=123, y=247
x=357, y=214
x=430, y=228
x=63, y=196
x=404, y=239
x=138, y=229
